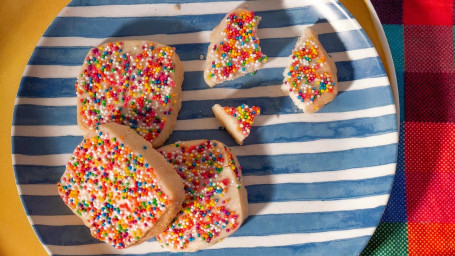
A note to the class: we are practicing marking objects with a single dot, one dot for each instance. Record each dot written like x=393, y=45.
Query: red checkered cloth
x=420, y=216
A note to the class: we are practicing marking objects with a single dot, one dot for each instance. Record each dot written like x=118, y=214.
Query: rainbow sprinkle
x=132, y=90
x=245, y=117
x=113, y=189
x=303, y=77
x=204, y=215
x=239, y=51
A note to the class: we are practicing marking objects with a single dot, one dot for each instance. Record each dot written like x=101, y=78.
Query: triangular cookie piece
x=234, y=48
x=311, y=78
x=237, y=121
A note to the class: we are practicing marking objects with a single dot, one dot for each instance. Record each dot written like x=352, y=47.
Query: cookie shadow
x=334, y=43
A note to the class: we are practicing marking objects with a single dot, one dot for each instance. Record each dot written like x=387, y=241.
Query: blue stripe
x=254, y=165
x=53, y=205
x=350, y=246
x=65, y=235
x=309, y=222
x=345, y=101
x=33, y=174
x=44, y=115
x=101, y=27
x=46, y=87
x=327, y=161
x=64, y=87
x=295, y=132
x=45, y=205
x=133, y=2
x=276, y=47
x=313, y=191
x=44, y=145
x=253, y=226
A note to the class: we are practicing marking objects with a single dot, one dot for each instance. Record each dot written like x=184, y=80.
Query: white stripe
x=46, y=131
x=212, y=123
x=314, y=118
x=203, y=36
x=53, y=102
x=317, y=206
x=45, y=160
x=291, y=239
x=273, y=90
x=230, y=242
x=160, y=10
x=322, y=176
x=51, y=71
x=327, y=176
x=281, y=62
x=55, y=220
x=38, y=189
x=61, y=71
x=292, y=207
x=316, y=146
x=223, y=93
x=354, y=54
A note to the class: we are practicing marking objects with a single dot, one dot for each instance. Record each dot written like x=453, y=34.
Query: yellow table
x=22, y=24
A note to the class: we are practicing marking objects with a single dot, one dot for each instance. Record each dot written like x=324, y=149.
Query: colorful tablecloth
x=420, y=216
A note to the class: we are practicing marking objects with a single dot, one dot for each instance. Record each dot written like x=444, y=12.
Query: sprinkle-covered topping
x=113, y=189
x=134, y=90
x=232, y=164
x=239, y=51
x=245, y=117
x=204, y=214
x=303, y=77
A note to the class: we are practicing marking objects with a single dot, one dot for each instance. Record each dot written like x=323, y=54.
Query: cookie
x=237, y=121
x=134, y=83
x=311, y=78
x=234, y=49
x=124, y=190
x=215, y=202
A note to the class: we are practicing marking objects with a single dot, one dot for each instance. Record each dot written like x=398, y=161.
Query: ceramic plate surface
x=317, y=184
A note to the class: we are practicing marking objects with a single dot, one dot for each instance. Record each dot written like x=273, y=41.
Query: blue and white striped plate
x=317, y=184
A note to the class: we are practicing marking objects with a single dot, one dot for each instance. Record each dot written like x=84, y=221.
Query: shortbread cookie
x=234, y=48
x=135, y=83
x=237, y=121
x=215, y=199
x=121, y=187
x=310, y=79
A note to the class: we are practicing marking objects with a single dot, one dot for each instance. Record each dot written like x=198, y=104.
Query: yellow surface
x=22, y=22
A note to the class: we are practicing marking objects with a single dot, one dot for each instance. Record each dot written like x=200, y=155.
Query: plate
x=316, y=183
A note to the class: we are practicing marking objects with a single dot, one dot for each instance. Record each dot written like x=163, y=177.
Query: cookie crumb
x=201, y=57
x=177, y=7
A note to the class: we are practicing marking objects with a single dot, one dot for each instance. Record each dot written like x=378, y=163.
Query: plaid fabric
x=420, y=216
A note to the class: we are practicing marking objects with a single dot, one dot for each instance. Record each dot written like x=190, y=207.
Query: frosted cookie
x=234, y=48
x=310, y=79
x=215, y=199
x=135, y=83
x=237, y=121
x=121, y=187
